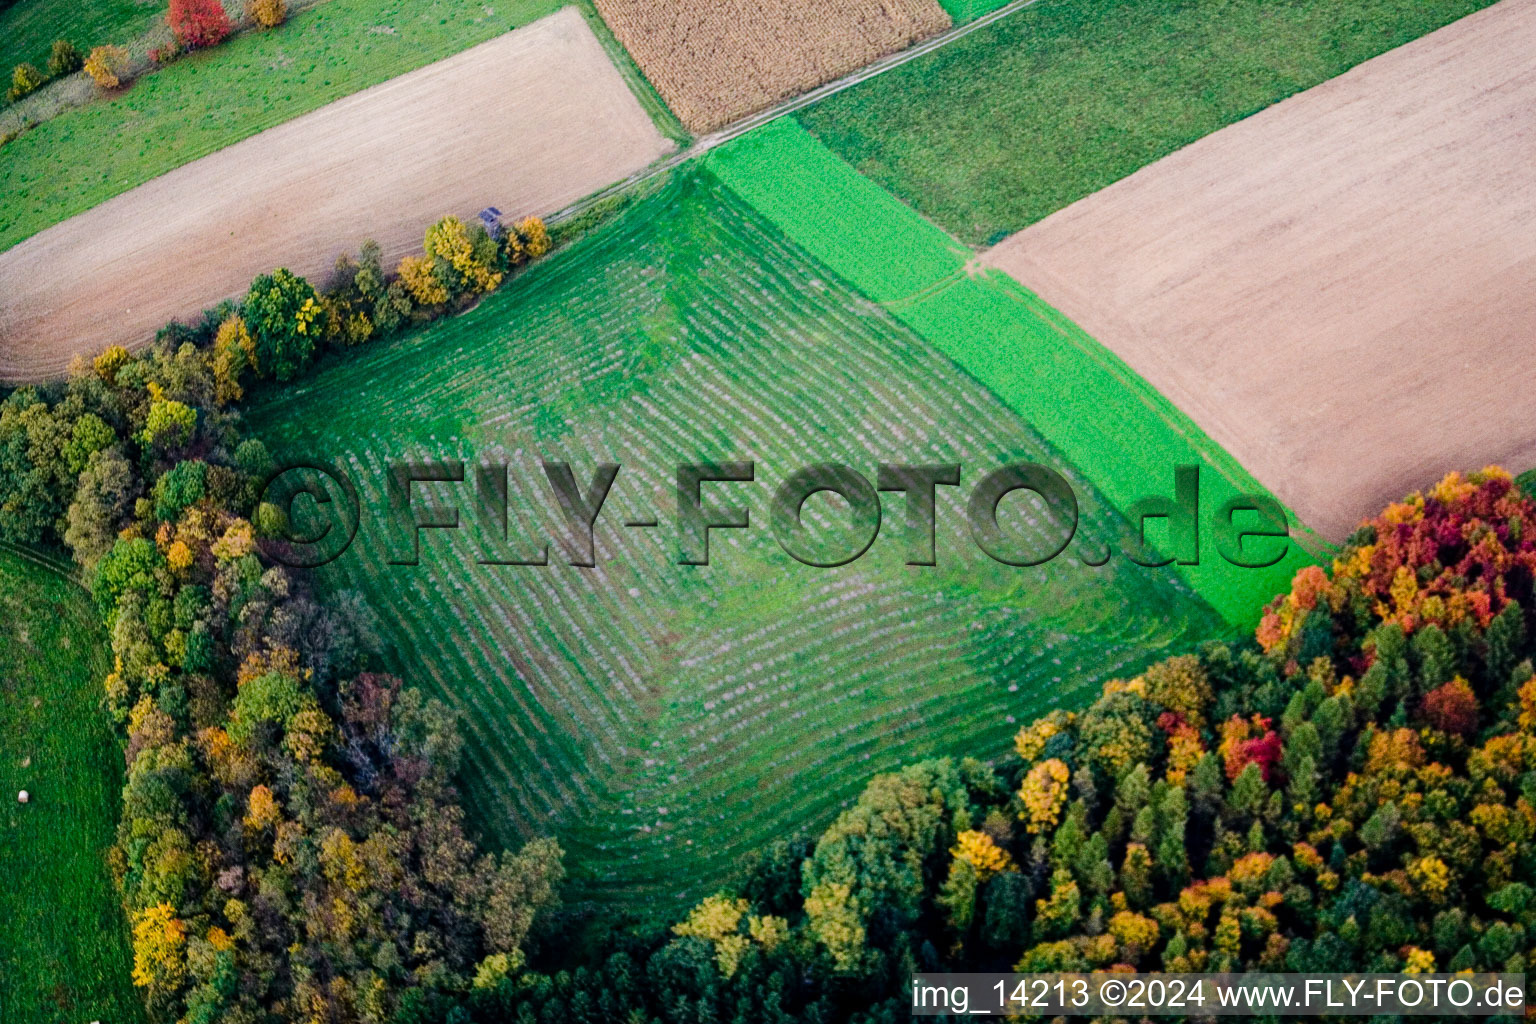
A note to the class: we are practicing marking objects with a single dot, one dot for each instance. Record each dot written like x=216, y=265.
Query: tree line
x=291, y=846
x=1354, y=789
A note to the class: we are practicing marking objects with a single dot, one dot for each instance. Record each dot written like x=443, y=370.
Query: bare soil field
x=715, y=61
x=526, y=122
x=1341, y=289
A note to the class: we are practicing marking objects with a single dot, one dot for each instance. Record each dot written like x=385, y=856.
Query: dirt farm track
x=1341, y=289
x=526, y=122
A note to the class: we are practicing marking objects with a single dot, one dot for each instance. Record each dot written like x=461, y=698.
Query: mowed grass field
x=215, y=98
x=661, y=719
x=1022, y=117
x=29, y=27
x=63, y=942
x=1077, y=394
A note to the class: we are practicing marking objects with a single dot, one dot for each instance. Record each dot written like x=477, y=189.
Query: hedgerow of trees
x=193, y=24
x=291, y=847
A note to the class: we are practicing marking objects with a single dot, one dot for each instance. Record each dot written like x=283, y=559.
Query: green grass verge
x=1086, y=402
x=663, y=719
x=1002, y=127
x=63, y=942
x=28, y=29
x=962, y=11
x=213, y=99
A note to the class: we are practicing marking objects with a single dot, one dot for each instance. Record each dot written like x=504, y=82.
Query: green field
x=63, y=942
x=663, y=719
x=962, y=11
x=1002, y=127
x=1089, y=405
x=213, y=99
x=29, y=27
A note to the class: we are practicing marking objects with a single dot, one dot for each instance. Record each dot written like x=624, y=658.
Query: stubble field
x=717, y=61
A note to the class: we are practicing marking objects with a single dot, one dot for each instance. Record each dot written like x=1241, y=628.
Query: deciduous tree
x=198, y=23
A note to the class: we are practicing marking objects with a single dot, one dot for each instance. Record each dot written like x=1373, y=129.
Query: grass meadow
x=660, y=719
x=961, y=11
x=214, y=98
x=1015, y=121
x=29, y=27
x=63, y=942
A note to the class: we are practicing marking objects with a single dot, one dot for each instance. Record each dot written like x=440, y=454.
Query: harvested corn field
x=717, y=60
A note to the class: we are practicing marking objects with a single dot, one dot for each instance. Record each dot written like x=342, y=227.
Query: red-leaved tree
x=199, y=23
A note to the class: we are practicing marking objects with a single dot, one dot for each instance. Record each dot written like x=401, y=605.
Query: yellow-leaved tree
x=267, y=13
x=107, y=66
x=159, y=949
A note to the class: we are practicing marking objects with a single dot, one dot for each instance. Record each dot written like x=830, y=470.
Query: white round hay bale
x=23, y=797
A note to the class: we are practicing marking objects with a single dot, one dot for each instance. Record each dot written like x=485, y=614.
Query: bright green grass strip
x=63, y=943
x=28, y=29
x=962, y=11
x=1015, y=121
x=1103, y=417
x=216, y=98
x=847, y=221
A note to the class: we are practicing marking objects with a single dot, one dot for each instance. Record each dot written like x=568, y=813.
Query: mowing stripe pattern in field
x=527, y=122
x=664, y=719
x=63, y=942
x=1087, y=403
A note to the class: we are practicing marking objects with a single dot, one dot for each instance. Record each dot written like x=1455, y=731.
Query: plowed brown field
x=1341, y=290
x=527, y=122
x=715, y=61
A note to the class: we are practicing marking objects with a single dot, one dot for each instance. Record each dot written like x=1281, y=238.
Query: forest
x=1354, y=788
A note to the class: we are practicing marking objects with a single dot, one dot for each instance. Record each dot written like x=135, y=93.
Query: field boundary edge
x=1091, y=405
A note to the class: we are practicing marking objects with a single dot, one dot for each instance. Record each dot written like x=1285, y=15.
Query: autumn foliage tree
x=282, y=314
x=64, y=59
x=107, y=66
x=463, y=259
x=198, y=23
x=267, y=13
x=25, y=79
x=1353, y=790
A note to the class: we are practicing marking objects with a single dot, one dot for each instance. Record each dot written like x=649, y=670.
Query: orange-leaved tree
x=267, y=13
